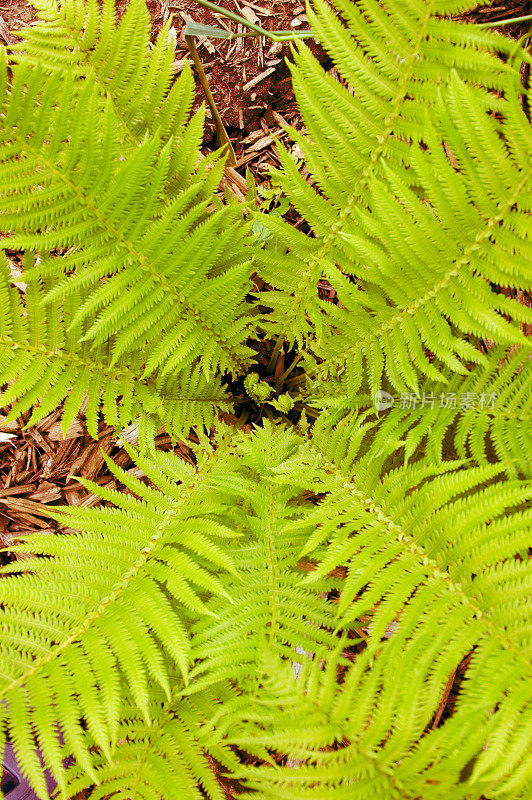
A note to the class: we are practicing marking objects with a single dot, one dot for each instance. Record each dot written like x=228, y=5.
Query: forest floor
x=251, y=85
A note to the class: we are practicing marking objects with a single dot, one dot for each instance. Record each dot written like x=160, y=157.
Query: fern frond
x=265, y=600
x=174, y=757
x=315, y=723
x=82, y=38
x=111, y=600
x=424, y=292
x=394, y=62
x=430, y=556
x=484, y=415
x=425, y=562
x=158, y=270
x=45, y=363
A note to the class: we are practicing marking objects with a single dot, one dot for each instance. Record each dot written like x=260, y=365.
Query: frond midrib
x=121, y=586
x=313, y=269
x=402, y=535
x=110, y=372
x=270, y=546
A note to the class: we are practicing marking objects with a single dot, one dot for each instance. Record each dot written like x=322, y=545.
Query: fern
x=139, y=268
x=433, y=569
x=93, y=200
x=170, y=758
x=83, y=39
x=484, y=415
x=399, y=326
x=44, y=359
x=265, y=600
x=373, y=179
x=284, y=614
x=139, y=569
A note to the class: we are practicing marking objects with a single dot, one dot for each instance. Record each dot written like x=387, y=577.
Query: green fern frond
x=112, y=600
x=82, y=38
x=424, y=561
x=429, y=555
x=44, y=362
x=484, y=415
x=394, y=62
x=317, y=729
x=177, y=756
x=424, y=292
x=265, y=599
x=158, y=270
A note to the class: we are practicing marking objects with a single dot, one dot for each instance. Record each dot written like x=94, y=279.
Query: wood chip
x=262, y=143
x=12, y=490
x=253, y=136
x=250, y=15
x=208, y=45
x=56, y=431
x=24, y=506
x=5, y=33
x=46, y=493
x=9, y=427
x=41, y=441
x=237, y=179
x=275, y=49
x=264, y=12
x=94, y=462
x=254, y=81
x=280, y=119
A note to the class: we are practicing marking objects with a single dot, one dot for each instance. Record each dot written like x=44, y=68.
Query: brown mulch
x=39, y=467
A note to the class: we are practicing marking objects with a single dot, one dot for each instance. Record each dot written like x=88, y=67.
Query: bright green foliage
x=167, y=759
x=138, y=256
x=429, y=553
x=285, y=612
x=485, y=415
x=265, y=598
x=139, y=568
x=43, y=356
x=83, y=39
x=426, y=554
x=419, y=229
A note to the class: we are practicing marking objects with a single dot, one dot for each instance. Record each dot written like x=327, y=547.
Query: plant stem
x=275, y=353
x=287, y=372
x=223, y=138
x=275, y=36
x=497, y=23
